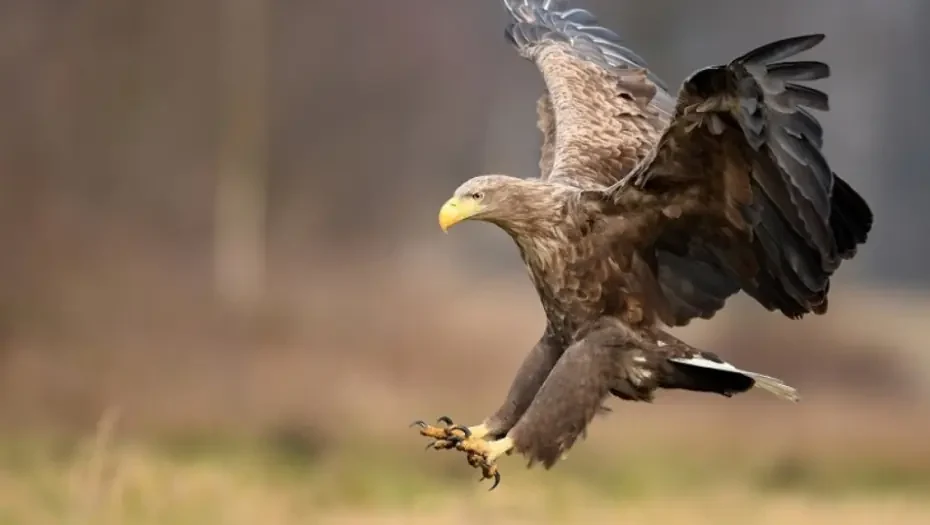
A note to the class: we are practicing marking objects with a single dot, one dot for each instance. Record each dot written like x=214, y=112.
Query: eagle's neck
x=541, y=250
x=551, y=230
x=538, y=219
x=535, y=212
x=543, y=228
x=544, y=257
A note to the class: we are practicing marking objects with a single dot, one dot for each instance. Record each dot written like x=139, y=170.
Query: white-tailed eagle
x=651, y=210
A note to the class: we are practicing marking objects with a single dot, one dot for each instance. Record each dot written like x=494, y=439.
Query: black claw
x=429, y=445
x=440, y=444
x=463, y=430
x=418, y=423
x=497, y=480
x=445, y=419
x=496, y=476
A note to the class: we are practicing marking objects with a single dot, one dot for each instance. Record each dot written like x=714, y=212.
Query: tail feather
x=708, y=361
x=775, y=386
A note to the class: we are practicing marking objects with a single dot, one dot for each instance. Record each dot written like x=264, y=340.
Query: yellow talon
x=483, y=454
x=478, y=431
x=489, y=450
x=479, y=452
x=446, y=437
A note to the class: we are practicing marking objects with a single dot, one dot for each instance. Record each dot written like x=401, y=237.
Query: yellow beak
x=456, y=210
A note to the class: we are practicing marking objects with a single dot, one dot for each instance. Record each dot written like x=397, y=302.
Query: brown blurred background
x=217, y=218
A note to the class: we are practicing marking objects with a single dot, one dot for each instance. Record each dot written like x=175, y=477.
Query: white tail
x=769, y=383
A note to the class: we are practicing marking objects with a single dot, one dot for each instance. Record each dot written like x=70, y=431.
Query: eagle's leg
x=445, y=437
x=529, y=378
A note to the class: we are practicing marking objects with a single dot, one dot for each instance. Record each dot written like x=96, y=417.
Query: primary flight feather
x=649, y=211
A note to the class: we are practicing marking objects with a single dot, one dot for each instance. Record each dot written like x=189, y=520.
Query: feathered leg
x=608, y=360
x=569, y=398
x=530, y=376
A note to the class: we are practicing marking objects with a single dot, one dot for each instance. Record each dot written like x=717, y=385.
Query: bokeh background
x=224, y=294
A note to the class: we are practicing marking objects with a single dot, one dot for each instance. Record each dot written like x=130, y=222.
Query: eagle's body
x=650, y=211
x=582, y=266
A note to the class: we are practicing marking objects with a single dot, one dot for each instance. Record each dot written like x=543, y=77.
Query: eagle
x=651, y=210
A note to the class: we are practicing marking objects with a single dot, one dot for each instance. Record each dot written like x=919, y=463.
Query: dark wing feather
x=602, y=109
x=742, y=158
x=851, y=219
x=695, y=282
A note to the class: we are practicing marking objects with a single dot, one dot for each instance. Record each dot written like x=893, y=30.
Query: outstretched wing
x=607, y=116
x=602, y=110
x=741, y=163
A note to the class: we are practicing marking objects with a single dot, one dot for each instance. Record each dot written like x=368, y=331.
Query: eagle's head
x=491, y=198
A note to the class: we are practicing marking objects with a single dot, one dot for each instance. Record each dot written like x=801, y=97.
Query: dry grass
x=291, y=478
x=727, y=508
x=135, y=485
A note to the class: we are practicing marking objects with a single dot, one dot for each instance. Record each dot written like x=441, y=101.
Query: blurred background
x=225, y=294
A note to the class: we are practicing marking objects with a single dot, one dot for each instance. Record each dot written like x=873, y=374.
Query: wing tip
x=779, y=49
x=536, y=21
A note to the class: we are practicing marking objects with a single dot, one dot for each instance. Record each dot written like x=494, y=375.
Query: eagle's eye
x=477, y=195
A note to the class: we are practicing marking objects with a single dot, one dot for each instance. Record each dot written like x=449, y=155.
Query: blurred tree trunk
x=242, y=177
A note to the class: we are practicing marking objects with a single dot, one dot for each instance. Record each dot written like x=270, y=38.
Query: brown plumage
x=650, y=211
